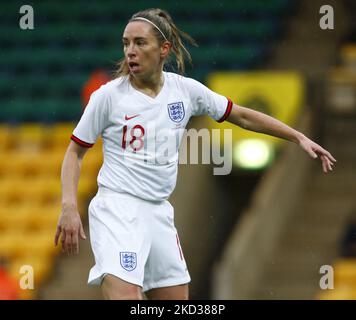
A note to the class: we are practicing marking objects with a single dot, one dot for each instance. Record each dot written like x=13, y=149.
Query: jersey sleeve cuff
x=227, y=111
x=81, y=142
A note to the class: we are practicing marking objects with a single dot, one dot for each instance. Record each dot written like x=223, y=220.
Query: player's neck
x=150, y=86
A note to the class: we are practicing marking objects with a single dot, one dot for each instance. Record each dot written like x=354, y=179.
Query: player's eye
x=141, y=42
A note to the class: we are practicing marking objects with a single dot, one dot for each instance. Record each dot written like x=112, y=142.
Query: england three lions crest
x=176, y=111
x=128, y=260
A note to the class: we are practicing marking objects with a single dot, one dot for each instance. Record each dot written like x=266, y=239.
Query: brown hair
x=164, y=22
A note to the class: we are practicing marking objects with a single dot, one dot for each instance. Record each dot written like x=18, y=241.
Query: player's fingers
x=326, y=164
x=312, y=153
x=322, y=163
x=75, y=243
x=63, y=240
x=82, y=233
x=329, y=164
x=326, y=153
x=68, y=243
x=329, y=156
x=56, y=237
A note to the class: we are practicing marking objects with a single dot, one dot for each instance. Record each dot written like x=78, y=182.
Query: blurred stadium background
x=262, y=232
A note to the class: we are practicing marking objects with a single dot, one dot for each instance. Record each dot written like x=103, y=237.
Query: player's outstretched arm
x=259, y=122
x=69, y=225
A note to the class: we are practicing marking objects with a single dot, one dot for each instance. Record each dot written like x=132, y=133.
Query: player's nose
x=131, y=51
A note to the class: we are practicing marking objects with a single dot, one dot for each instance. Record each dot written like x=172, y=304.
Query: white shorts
x=135, y=240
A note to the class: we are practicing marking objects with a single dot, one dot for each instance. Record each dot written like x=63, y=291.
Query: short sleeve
x=94, y=119
x=208, y=102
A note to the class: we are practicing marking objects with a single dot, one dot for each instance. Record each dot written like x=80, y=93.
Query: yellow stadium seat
x=59, y=135
x=51, y=162
x=10, y=243
x=36, y=190
x=30, y=197
x=11, y=189
x=29, y=216
x=28, y=294
x=30, y=136
x=41, y=189
x=15, y=217
x=338, y=294
x=345, y=272
x=87, y=187
x=38, y=243
x=31, y=272
x=13, y=163
x=344, y=281
x=6, y=138
x=7, y=246
x=3, y=161
x=91, y=163
x=83, y=208
x=348, y=264
x=348, y=55
x=23, y=163
x=98, y=146
x=45, y=217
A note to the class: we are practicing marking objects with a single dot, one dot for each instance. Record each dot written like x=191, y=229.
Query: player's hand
x=316, y=151
x=69, y=227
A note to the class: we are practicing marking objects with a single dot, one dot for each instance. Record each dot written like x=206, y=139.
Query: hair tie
x=149, y=21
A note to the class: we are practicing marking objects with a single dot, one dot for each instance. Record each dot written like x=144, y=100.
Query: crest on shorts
x=128, y=260
x=176, y=111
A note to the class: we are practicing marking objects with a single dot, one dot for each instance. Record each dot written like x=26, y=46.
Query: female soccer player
x=133, y=237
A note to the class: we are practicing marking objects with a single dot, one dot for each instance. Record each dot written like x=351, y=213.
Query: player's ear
x=165, y=49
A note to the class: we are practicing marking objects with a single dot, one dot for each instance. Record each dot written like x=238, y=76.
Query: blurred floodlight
x=253, y=154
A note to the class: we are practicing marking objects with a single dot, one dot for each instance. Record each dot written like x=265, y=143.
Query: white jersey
x=137, y=130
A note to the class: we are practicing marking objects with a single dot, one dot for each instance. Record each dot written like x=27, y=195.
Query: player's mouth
x=134, y=66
